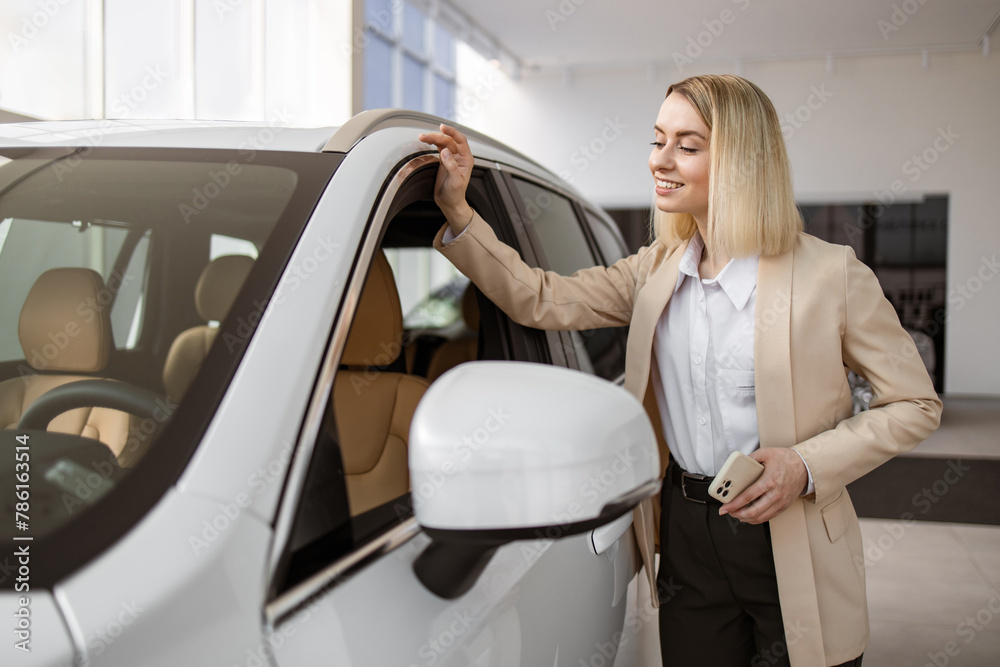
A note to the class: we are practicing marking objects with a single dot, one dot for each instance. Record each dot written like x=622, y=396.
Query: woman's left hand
x=784, y=479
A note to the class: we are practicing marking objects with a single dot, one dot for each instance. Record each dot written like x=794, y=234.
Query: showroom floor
x=934, y=594
x=933, y=588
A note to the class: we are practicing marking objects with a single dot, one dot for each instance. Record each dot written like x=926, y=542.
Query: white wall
x=879, y=113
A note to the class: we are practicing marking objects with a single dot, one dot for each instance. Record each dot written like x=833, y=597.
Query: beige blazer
x=819, y=311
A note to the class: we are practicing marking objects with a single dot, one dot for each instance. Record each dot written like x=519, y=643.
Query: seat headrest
x=470, y=308
x=64, y=324
x=219, y=284
x=376, y=336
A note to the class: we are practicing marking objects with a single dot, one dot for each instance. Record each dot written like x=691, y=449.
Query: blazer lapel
x=776, y=425
x=772, y=352
x=651, y=299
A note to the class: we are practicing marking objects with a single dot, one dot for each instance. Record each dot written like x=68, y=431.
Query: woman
x=742, y=329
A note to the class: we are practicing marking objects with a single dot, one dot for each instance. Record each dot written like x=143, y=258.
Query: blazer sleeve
x=904, y=407
x=589, y=299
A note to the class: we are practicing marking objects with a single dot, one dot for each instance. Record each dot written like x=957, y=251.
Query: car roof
x=235, y=135
x=164, y=134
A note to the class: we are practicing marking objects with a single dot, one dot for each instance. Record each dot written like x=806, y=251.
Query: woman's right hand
x=453, y=175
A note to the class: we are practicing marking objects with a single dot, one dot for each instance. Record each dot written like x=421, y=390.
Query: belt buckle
x=699, y=478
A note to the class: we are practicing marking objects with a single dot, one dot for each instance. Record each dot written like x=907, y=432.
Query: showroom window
x=906, y=245
x=409, y=59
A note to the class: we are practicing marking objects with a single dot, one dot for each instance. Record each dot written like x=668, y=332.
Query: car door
x=343, y=589
x=567, y=236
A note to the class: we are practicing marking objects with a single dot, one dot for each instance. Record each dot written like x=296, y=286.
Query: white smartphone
x=738, y=472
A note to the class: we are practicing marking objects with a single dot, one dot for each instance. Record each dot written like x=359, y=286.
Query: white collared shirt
x=704, y=370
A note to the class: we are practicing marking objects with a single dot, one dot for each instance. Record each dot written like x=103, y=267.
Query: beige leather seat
x=214, y=294
x=454, y=352
x=373, y=409
x=64, y=329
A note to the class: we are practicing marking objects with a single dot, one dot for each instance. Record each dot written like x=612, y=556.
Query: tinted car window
x=610, y=243
x=564, y=244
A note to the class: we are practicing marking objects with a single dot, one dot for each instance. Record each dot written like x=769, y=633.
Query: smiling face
x=680, y=161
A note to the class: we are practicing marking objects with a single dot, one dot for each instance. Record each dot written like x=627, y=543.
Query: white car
x=223, y=444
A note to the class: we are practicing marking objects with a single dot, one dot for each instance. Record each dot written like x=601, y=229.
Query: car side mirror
x=504, y=451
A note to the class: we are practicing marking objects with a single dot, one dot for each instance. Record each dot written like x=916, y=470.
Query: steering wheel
x=91, y=394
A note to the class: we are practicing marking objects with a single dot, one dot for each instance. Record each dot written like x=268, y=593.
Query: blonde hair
x=751, y=205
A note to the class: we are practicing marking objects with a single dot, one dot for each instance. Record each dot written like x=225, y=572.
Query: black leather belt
x=693, y=487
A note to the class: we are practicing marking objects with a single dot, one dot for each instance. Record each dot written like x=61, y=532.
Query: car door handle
x=602, y=537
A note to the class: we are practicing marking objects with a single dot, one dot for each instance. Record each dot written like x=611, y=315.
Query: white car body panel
x=50, y=642
x=502, y=619
x=205, y=599
x=189, y=583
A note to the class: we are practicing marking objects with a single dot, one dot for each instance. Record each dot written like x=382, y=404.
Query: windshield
x=119, y=268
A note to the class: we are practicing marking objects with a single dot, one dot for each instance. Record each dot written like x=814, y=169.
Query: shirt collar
x=738, y=279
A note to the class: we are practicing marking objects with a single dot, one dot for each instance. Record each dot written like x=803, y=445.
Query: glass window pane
x=611, y=248
x=378, y=14
x=413, y=29
x=444, y=97
x=565, y=246
x=444, y=49
x=378, y=73
x=931, y=231
x=413, y=84
x=127, y=310
x=554, y=221
x=893, y=235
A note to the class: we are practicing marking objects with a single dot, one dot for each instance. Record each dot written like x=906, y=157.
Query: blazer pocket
x=835, y=516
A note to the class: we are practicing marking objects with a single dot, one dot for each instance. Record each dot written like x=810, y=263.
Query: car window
x=125, y=234
x=30, y=247
x=357, y=484
x=610, y=243
x=430, y=287
x=221, y=244
x=557, y=229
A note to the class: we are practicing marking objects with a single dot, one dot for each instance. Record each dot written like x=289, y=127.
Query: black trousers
x=718, y=591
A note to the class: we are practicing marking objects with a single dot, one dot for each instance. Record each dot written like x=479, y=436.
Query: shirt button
x=697, y=360
x=701, y=420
